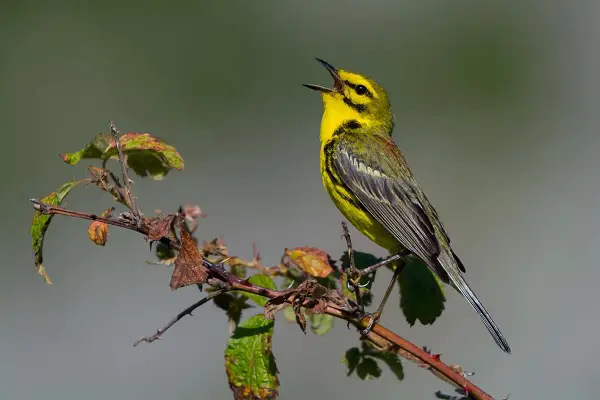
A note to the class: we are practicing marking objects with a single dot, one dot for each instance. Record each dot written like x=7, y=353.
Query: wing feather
x=384, y=185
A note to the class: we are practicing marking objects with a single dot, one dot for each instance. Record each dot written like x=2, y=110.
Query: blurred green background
x=496, y=106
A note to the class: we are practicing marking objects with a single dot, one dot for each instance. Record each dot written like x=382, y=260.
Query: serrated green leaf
x=368, y=369
x=351, y=359
x=263, y=281
x=249, y=361
x=41, y=222
x=393, y=360
x=421, y=294
x=320, y=324
x=146, y=155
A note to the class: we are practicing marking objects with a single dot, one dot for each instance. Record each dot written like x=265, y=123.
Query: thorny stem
x=379, y=335
x=124, y=169
x=187, y=311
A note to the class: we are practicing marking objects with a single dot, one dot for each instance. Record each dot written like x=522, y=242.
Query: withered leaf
x=98, y=230
x=147, y=155
x=300, y=318
x=189, y=268
x=311, y=260
x=278, y=303
x=160, y=227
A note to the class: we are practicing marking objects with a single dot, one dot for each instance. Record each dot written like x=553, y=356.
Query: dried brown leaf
x=189, y=268
x=300, y=318
x=98, y=231
x=160, y=227
x=277, y=304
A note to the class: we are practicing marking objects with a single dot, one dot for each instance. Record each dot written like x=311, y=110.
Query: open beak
x=338, y=85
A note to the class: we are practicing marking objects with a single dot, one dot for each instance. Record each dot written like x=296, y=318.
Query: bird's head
x=354, y=97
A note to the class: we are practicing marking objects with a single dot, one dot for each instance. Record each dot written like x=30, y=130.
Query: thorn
x=436, y=356
x=465, y=388
x=223, y=261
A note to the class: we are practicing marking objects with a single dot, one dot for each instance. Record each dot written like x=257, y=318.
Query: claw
x=349, y=287
x=365, y=285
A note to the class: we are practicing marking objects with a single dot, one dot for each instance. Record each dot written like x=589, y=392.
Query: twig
x=352, y=275
x=124, y=169
x=187, y=311
x=378, y=335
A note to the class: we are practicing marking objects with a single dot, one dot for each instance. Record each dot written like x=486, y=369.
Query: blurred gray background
x=497, y=112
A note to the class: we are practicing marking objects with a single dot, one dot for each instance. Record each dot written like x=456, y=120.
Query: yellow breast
x=346, y=202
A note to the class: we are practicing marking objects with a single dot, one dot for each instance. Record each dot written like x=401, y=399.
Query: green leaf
x=146, y=155
x=320, y=324
x=94, y=149
x=165, y=254
x=262, y=281
x=361, y=260
x=249, y=362
x=393, y=360
x=233, y=304
x=351, y=359
x=421, y=294
x=289, y=314
x=368, y=369
x=41, y=222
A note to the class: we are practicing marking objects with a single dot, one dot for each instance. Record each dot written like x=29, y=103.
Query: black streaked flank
x=329, y=155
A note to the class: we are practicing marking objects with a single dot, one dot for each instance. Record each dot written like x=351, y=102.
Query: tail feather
x=451, y=267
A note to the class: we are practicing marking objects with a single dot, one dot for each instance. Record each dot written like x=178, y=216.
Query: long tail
x=451, y=266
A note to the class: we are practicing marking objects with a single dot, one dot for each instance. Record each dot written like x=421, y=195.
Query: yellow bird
x=369, y=181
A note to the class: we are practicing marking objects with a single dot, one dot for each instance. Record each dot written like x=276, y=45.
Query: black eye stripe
x=355, y=86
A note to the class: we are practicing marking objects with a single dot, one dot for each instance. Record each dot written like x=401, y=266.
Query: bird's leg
x=377, y=314
x=353, y=275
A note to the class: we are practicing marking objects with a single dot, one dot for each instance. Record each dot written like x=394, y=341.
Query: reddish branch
x=225, y=280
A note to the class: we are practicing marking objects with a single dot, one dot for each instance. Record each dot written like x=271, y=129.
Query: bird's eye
x=360, y=89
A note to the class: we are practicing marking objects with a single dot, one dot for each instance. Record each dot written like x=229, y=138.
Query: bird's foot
x=373, y=318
